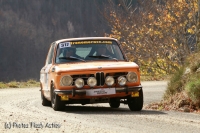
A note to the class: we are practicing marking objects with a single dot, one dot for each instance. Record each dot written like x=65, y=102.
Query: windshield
x=77, y=51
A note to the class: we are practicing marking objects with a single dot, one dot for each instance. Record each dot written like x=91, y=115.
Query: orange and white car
x=90, y=70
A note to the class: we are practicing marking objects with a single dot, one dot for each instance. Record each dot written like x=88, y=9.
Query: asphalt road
x=21, y=111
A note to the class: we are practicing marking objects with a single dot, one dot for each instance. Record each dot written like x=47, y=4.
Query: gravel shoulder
x=21, y=111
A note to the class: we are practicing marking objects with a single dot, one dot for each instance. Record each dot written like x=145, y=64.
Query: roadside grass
x=21, y=84
x=193, y=89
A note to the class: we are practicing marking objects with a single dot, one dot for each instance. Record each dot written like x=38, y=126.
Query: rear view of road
x=21, y=111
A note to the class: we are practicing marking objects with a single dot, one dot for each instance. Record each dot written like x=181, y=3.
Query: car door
x=44, y=74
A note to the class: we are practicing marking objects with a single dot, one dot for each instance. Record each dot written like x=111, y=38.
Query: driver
x=101, y=50
x=70, y=51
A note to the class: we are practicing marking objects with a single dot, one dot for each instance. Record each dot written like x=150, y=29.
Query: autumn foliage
x=156, y=35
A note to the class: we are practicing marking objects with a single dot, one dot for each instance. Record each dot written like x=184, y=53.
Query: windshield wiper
x=102, y=56
x=71, y=58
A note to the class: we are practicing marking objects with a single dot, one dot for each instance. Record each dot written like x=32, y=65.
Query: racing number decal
x=64, y=44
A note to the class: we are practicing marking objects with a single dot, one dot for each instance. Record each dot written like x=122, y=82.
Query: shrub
x=2, y=85
x=193, y=89
x=13, y=84
x=175, y=85
x=194, y=58
x=31, y=81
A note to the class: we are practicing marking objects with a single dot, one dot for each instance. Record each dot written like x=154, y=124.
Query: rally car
x=90, y=70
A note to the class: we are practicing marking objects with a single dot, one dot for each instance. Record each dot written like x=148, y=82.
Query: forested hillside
x=27, y=27
x=157, y=35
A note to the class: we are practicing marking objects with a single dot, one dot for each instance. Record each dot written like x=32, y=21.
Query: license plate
x=102, y=91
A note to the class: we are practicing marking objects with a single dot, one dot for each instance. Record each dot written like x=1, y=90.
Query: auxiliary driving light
x=92, y=81
x=121, y=80
x=109, y=81
x=79, y=82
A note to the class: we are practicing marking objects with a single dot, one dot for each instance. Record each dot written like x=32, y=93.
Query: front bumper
x=74, y=92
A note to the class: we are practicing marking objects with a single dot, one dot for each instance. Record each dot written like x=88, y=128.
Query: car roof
x=85, y=38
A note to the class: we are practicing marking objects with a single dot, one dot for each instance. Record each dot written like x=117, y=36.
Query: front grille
x=100, y=78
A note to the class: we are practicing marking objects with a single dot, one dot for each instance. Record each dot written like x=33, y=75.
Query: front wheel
x=136, y=103
x=56, y=102
x=45, y=102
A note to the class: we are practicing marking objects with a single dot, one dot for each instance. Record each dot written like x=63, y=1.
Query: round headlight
x=79, y=82
x=121, y=80
x=109, y=80
x=92, y=81
x=66, y=80
x=132, y=77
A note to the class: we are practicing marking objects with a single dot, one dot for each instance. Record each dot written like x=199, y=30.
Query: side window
x=50, y=54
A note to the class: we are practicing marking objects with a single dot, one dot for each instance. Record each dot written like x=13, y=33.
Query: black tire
x=114, y=103
x=136, y=103
x=45, y=102
x=56, y=102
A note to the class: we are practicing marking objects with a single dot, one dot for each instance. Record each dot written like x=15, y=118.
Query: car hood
x=94, y=66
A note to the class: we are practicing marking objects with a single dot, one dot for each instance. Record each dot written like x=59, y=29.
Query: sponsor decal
x=91, y=42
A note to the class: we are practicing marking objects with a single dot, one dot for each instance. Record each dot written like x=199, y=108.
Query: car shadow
x=107, y=110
